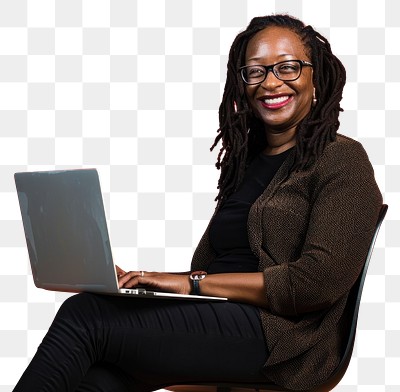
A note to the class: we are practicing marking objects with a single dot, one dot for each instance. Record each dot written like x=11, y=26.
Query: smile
x=276, y=102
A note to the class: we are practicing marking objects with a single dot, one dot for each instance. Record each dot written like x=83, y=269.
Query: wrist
x=196, y=277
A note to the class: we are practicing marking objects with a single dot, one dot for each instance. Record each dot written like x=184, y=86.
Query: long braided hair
x=243, y=135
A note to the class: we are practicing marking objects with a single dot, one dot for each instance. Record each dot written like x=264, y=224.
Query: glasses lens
x=289, y=70
x=253, y=74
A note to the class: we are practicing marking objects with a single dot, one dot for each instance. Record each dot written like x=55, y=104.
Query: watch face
x=198, y=275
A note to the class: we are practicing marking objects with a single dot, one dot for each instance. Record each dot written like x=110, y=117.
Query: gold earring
x=314, y=100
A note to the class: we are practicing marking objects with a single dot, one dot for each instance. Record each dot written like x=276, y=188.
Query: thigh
x=103, y=377
x=106, y=378
x=175, y=341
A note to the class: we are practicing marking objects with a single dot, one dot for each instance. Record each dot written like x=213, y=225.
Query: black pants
x=115, y=344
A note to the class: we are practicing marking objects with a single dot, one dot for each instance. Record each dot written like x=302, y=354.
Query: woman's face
x=279, y=105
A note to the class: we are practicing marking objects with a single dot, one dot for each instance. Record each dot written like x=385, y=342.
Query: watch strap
x=196, y=277
x=195, y=287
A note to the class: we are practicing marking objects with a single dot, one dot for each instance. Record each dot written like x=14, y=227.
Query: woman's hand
x=238, y=287
x=162, y=281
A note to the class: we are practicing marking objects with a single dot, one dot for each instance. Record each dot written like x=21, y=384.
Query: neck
x=279, y=142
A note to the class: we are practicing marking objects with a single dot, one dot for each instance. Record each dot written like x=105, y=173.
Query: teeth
x=274, y=101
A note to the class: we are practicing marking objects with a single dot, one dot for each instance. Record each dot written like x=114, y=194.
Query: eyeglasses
x=287, y=71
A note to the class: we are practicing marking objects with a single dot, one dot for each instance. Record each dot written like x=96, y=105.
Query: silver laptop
x=67, y=237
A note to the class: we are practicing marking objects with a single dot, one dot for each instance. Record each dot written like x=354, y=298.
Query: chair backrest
x=353, y=306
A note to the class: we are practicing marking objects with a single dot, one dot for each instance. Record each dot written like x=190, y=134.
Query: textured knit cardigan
x=311, y=231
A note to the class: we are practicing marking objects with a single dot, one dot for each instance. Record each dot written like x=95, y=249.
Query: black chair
x=353, y=306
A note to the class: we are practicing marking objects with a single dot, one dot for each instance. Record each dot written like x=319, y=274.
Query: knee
x=79, y=309
x=76, y=302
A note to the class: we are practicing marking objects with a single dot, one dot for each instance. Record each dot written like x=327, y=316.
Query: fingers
x=127, y=276
x=119, y=271
x=133, y=278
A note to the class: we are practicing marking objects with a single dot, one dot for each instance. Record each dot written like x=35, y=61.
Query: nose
x=271, y=81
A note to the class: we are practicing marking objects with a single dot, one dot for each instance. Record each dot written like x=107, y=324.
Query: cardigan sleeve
x=343, y=214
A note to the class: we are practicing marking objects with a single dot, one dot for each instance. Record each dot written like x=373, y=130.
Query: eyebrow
x=260, y=58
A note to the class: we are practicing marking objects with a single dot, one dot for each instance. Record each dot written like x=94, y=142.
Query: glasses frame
x=271, y=68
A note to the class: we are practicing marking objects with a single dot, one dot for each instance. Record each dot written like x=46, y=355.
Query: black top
x=228, y=230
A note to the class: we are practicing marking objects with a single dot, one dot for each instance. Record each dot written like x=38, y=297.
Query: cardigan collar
x=254, y=223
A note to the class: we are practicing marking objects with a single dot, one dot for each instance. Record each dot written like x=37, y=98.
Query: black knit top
x=228, y=230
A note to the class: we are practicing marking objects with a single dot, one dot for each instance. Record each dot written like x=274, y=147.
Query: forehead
x=275, y=44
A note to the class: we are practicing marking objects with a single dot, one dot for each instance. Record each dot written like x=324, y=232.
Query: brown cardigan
x=311, y=231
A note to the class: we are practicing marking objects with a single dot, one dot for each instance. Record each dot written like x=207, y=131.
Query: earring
x=314, y=100
x=235, y=106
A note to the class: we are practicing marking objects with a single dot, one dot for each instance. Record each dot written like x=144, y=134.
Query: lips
x=274, y=102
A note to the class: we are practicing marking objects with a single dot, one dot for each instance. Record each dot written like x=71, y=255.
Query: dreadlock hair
x=243, y=135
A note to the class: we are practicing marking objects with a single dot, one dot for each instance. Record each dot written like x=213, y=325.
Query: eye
x=288, y=68
x=255, y=72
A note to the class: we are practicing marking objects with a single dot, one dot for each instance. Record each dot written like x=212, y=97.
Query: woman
x=297, y=206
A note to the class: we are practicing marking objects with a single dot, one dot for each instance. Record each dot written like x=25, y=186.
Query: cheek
x=308, y=87
x=308, y=96
x=250, y=95
x=306, y=92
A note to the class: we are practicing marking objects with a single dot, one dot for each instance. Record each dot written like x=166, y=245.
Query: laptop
x=67, y=237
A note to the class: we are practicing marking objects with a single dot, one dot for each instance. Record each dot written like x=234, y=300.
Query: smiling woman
x=296, y=212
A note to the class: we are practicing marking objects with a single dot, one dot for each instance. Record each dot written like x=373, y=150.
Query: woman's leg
x=109, y=378
x=151, y=341
x=68, y=350
x=106, y=378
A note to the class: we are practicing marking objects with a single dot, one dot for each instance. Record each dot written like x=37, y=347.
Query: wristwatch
x=196, y=277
